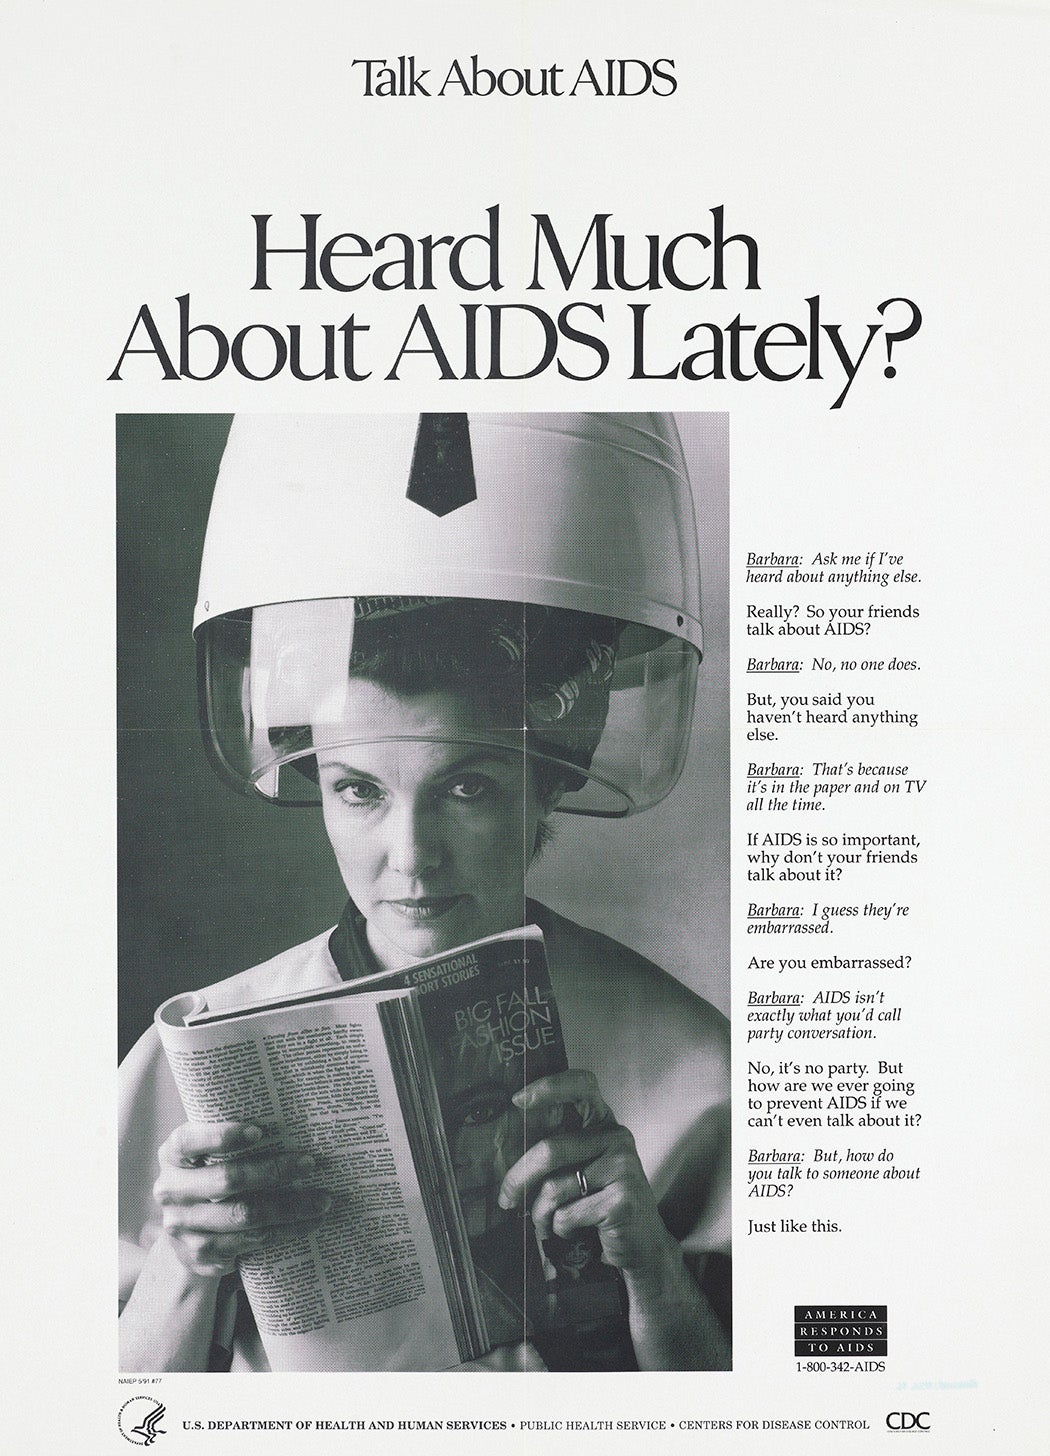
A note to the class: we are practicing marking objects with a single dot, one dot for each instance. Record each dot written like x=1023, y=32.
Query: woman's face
x=432, y=838
x=486, y=1136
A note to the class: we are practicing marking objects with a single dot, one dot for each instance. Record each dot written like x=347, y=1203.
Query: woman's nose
x=413, y=847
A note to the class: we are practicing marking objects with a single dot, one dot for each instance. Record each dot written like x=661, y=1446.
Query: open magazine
x=401, y=1086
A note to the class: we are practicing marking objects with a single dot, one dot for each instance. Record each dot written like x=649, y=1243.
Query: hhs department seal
x=139, y=1420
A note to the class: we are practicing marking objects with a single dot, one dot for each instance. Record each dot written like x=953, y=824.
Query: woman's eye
x=482, y=1106
x=468, y=788
x=359, y=791
x=483, y=1111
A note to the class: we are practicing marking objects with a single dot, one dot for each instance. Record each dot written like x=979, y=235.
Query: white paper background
x=873, y=150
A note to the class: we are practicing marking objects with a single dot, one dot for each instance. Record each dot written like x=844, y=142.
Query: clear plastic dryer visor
x=602, y=708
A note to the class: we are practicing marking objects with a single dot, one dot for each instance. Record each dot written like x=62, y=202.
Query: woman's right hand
x=222, y=1198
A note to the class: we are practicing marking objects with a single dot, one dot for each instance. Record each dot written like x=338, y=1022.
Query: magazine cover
x=524, y=572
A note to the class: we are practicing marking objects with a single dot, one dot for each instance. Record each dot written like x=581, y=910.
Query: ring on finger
x=581, y=1183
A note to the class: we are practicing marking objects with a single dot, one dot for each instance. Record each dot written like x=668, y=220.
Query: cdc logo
x=908, y=1421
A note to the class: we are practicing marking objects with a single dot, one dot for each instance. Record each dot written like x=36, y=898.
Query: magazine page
x=575, y=465
x=365, y=1285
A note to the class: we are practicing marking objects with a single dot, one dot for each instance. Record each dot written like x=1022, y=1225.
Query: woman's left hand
x=584, y=1171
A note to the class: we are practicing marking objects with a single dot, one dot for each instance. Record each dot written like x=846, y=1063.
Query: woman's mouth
x=424, y=908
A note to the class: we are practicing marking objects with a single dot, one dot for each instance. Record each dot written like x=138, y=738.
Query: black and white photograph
x=442, y=662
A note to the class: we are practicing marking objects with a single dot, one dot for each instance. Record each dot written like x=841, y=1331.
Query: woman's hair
x=545, y=667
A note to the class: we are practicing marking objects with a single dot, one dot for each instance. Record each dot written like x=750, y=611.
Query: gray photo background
x=210, y=882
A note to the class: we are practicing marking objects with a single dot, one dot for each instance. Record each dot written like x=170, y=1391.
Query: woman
x=441, y=735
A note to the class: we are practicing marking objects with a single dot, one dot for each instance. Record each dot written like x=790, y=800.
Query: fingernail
x=503, y=1200
x=519, y=1098
x=326, y=1203
x=253, y=1134
x=305, y=1165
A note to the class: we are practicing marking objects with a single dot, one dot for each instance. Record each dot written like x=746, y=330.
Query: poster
x=871, y=331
